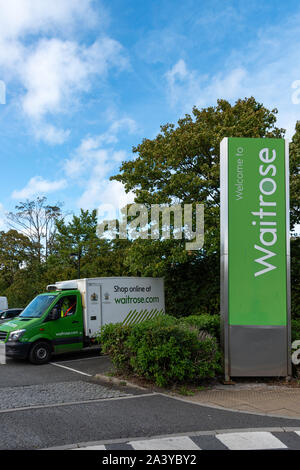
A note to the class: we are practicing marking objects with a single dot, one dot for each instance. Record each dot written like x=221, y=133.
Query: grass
x=185, y=391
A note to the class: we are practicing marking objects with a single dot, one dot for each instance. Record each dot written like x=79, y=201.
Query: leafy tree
x=77, y=238
x=295, y=177
x=108, y=258
x=182, y=162
x=295, y=276
x=36, y=219
x=182, y=165
x=20, y=270
x=16, y=251
x=295, y=218
x=26, y=285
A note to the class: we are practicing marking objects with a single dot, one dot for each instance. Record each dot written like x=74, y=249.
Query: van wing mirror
x=54, y=314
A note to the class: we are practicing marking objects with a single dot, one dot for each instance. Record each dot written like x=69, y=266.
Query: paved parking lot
x=66, y=379
x=16, y=373
x=61, y=404
x=54, y=394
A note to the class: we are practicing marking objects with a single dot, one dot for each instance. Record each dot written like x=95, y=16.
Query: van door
x=94, y=308
x=67, y=331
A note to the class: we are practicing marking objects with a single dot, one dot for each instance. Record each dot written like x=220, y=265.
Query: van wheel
x=40, y=353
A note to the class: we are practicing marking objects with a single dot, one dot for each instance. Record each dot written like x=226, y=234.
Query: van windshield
x=37, y=306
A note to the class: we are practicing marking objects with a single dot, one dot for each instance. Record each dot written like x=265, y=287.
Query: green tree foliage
x=163, y=350
x=19, y=260
x=74, y=245
x=77, y=238
x=83, y=254
x=294, y=151
x=36, y=220
x=295, y=277
x=28, y=282
x=208, y=323
x=192, y=279
x=182, y=164
x=16, y=252
x=109, y=260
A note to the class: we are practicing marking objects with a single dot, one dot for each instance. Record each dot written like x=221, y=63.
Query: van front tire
x=40, y=353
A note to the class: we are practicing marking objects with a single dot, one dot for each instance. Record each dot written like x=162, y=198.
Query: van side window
x=67, y=305
x=11, y=314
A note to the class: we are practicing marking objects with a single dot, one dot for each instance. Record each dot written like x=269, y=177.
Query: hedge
x=164, y=350
x=209, y=323
x=295, y=326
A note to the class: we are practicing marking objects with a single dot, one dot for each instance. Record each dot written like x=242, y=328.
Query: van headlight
x=16, y=335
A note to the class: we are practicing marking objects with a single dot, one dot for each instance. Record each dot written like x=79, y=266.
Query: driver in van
x=68, y=306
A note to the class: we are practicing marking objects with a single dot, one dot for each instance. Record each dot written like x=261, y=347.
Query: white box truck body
x=127, y=300
x=3, y=303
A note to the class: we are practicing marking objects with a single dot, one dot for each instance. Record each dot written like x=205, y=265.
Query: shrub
x=209, y=323
x=163, y=350
x=295, y=326
x=113, y=339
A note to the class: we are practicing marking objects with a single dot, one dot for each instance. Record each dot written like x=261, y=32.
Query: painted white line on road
x=163, y=436
x=71, y=403
x=69, y=368
x=82, y=359
x=170, y=443
x=250, y=441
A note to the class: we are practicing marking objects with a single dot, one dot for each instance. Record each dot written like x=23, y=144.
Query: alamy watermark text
x=158, y=222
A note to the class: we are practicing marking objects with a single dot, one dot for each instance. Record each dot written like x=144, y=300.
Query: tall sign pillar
x=255, y=257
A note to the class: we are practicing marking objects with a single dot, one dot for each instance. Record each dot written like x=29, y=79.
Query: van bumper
x=17, y=349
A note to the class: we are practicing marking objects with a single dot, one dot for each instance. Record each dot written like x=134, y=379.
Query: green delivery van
x=68, y=316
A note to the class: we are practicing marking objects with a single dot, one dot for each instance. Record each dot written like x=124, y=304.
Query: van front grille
x=3, y=335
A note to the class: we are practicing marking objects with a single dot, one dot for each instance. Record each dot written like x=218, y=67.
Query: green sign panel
x=257, y=232
x=254, y=245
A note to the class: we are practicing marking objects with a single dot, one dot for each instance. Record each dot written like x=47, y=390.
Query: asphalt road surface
x=60, y=404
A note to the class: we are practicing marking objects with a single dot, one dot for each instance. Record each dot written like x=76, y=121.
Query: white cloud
x=56, y=70
x=99, y=190
x=38, y=186
x=91, y=167
x=187, y=88
x=126, y=124
x=53, y=71
x=114, y=198
x=176, y=78
x=50, y=134
x=91, y=155
x=22, y=22
x=94, y=161
x=266, y=69
x=20, y=17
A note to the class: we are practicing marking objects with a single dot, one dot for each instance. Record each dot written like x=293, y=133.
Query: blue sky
x=87, y=80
